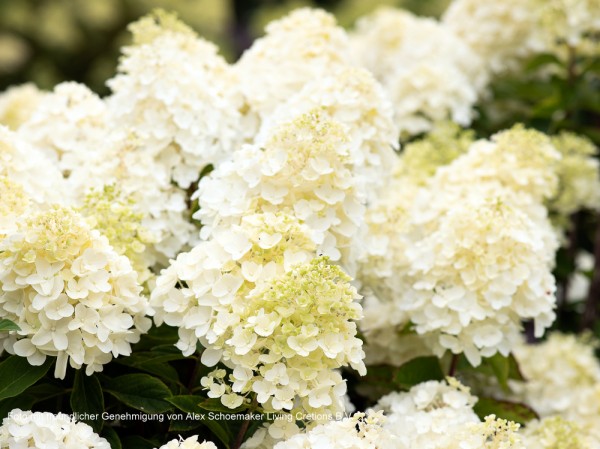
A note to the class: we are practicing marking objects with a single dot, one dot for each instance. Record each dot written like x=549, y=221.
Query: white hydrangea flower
x=481, y=271
x=258, y=301
x=361, y=431
x=24, y=429
x=353, y=98
x=72, y=296
x=303, y=46
x=567, y=25
x=13, y=203
x=523, y=160
x=555, y=370
x=430, y=414
x=188, y=443
x=304, y=169
x=439, y=415
x=429, y=73
x=67, y=125
x=20, y=162
x=556, y=432
x=122, y=162
x=579, y=175
x=499, y=32
x=248, y=271
x=114, y=215
x=178, y=95
x=18, y=103
x=463, y=258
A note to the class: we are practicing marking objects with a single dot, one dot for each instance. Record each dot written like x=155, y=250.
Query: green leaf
x=541, y=60
x=136, y=442
x=8, y=325
x=140, y=391
x=189, y=404
x=418, y=370
x=16, y=375
x=23, y=402
x=383, y=379
x=112, y=437
x=87, y=399
x=501, y=369
x=513, y=411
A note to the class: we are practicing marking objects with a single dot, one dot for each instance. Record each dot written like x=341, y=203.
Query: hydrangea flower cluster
x=20, y=162
x=440, y=415
x=460, y=266
x=440, y=77
x=187, y=115
x=579, y=176
x=499, y=32
x=66, y=125
x=421, y=158
x=303, y=46
x=18, y=103
x=304, y=169
x=188, y=443
x=23, y=429
x=361, y=431
x=113, y=214
x=555, y=369
x=71, y=294
x=567, y=26
x=352, y=97
x=13, y=203
x=504, y=33
x=162, y=205
x=258, y=301
x=553, y=433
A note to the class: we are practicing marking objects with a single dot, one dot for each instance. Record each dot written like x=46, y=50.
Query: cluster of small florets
x=421, y=158
x=439, y=76
x=20, y=162
x=72, y=296
x=187, y=114
x=436, y=415
x=579, y=177
x=499, y=32
x=188, y=443
x=554, y=433
x=67, y=125
x=361, y=431
x=113, y=214
x=304, y=169
x=567, y=27
x=18, y=103
x=24, y=429
x=13, y=203
x=303, y=46
x=505, y=33
x=163, y=206
x=352, y=97
x=460, y=261
x=256, y=301
x=557, y=369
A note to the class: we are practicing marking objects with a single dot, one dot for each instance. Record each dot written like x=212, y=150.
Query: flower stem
x=240, y=436
x=590, y=314
x=453, y=364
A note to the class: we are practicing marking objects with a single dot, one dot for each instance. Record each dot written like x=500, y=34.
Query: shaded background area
x=49, y=41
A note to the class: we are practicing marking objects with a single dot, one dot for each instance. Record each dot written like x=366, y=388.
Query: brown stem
x=191, y=382
x=571, y=254
x=590, y=314
x=453, y=364
x=240, y=436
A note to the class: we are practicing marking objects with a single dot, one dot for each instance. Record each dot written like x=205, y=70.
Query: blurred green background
x=49, y=41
